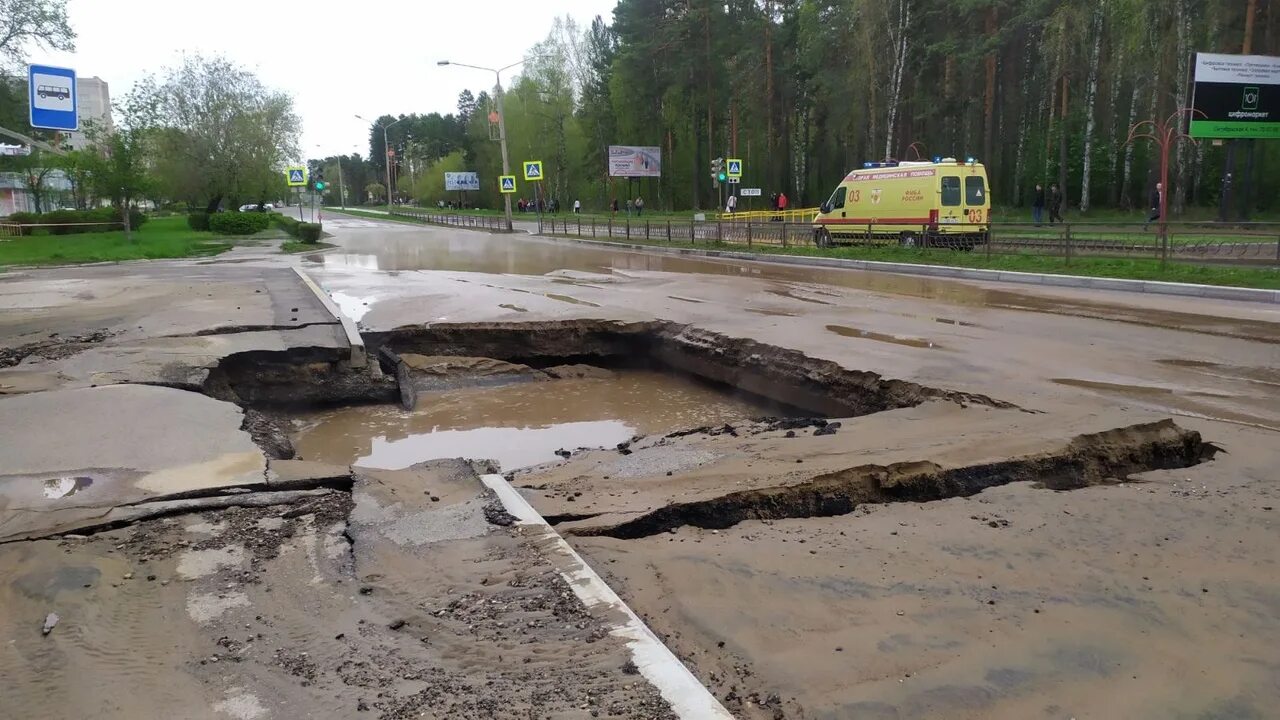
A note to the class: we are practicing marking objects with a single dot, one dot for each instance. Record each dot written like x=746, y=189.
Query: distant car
x=253, y=207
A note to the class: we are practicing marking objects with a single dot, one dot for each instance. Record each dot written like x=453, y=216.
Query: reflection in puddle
x=574, y=300
x=509, y=306
x=56, y=488
x=793, y=296
x=517, y=425
x=352, y=306
x=881, y=337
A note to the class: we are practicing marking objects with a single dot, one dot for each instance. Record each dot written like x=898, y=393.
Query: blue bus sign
x=52, y=91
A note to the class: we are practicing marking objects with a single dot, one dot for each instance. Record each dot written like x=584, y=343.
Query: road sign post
x=52, y=91
x=733, y=168
x=507, y=184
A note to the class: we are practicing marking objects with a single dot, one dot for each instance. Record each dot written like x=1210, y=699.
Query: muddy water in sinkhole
x=517, y=425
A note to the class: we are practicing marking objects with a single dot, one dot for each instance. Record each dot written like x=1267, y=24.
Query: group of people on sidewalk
x=1054, y=204
x=777, y=203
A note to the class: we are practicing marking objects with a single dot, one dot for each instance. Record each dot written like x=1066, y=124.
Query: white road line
x=686, y=695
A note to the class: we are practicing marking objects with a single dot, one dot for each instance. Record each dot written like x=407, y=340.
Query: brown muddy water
x=517, y=425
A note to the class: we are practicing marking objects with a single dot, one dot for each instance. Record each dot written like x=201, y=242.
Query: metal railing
x=10, y=230
x=492, y=223
x=1251, y=243
x=800, y=215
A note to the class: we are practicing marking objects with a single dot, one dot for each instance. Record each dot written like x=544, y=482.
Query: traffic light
x=717, y=170
x=318, y=178
x=321, y=185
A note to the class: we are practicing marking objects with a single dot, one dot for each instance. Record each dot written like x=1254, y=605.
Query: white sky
x=337, y=58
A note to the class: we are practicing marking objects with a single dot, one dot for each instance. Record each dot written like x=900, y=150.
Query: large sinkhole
x=519, y=392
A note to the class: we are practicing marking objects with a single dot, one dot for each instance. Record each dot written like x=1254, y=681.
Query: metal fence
x=1253, y=243
x=476, y=222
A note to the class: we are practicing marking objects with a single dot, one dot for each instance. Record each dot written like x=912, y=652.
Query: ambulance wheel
x=908, y=239
x=822, y=238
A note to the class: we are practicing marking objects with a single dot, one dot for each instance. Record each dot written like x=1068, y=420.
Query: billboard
x=461, y=181
x=1239, y=96
x=635, y=161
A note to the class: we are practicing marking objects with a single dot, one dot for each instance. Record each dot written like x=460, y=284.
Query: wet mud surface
x=377, y=600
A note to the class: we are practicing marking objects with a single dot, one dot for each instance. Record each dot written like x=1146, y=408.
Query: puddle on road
x=517, y=425
x=516, y=308
x=571, y=300
x=57, y=488
x=770, y=313
x=1137, y=390
x=354, y=307
x=881, y=337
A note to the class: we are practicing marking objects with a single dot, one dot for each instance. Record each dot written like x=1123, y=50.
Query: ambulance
x=938, y=203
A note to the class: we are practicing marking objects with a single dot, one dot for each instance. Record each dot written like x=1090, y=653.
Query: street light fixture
x=385, y=149
x=502, y=121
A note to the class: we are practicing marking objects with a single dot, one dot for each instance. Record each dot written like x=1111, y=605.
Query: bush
x=238, y=223
x=309, y=232
x=198, y=221
x=71, y=222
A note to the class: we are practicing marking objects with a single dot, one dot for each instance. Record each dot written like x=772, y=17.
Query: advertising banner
x=635, y=161
x=1239, y=96
x=461, y=181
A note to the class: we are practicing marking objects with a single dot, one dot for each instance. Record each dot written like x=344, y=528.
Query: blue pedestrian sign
x=507, y=183
x=532, y=169
x=735, y=168
x=295, y=176
x=52, y=91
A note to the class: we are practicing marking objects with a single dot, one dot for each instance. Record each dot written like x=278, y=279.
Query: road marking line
x=687, y=696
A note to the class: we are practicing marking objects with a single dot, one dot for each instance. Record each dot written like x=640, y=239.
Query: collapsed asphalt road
x=984, y=501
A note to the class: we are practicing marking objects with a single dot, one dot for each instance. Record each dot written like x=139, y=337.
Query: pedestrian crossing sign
x=734, y=168
x=532, y=169
x=295, y=176
x=507, y=183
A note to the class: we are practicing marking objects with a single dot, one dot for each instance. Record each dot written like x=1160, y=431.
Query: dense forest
x=1041, y=91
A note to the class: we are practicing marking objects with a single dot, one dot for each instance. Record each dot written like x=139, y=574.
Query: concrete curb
x=688, y=698
x=359, y=358
x=1215, y=292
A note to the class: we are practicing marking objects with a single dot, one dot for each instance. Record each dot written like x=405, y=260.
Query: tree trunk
x=1062, y=146
x=989, y=93
x=1125, y=198
x=1182, y=16
x=1091, y=96
x=899, y=68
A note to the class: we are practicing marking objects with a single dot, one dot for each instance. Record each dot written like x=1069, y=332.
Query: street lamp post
x=502, y=123
x=386, y=149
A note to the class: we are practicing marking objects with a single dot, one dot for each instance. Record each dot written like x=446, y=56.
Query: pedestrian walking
x=614, y=206
x=577, y=207
x=629, y=206
x=732, y=204
x=1157, y=201
x=1037, y=206
x=639, y=206
x=1055, y=203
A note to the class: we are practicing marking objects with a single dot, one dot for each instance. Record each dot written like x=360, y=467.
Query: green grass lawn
x=297, y=246
x=167, y=237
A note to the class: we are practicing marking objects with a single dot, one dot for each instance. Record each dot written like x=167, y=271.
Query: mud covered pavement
x=832, y=494
x=399, y=596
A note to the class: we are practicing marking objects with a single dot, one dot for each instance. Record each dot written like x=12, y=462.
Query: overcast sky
x=388, y=50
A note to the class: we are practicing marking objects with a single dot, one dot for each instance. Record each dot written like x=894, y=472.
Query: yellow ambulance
x=939, y=203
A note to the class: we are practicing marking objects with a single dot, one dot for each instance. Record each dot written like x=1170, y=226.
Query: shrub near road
x=239, y=223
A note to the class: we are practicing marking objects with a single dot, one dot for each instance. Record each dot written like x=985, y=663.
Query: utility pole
x=386, y=149
x=502, y=119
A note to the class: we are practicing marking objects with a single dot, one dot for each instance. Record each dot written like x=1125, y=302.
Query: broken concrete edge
x=688, y=697
x=358, y=356
x=1150, y=287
